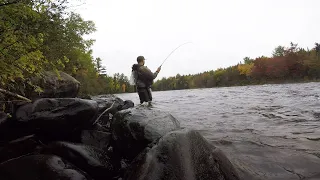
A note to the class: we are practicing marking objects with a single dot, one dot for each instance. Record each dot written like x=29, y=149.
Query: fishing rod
x=173, y=51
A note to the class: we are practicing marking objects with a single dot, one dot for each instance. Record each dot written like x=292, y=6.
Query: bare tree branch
x=9, y=3
x=14, y=95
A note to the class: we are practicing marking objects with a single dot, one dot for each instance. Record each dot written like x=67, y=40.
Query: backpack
x=133, y=78
x=134, y=74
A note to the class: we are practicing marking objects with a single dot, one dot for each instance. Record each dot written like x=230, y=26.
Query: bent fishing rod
x=173, y=51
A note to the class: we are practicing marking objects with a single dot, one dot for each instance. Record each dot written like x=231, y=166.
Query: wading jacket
x=143, y=76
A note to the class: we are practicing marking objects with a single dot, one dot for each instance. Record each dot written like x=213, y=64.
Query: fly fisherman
x=143, y=79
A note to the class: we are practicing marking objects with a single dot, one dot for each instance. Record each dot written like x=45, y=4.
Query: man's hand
x=159, y=68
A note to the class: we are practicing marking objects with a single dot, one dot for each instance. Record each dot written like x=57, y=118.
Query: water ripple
x=273, y=121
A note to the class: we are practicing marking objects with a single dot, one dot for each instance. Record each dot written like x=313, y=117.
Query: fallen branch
x=107, y=110
x=14, y=95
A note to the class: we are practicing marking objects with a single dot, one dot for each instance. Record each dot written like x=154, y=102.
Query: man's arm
x=147, y=72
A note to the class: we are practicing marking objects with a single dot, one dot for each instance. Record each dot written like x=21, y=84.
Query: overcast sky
x=223, y=32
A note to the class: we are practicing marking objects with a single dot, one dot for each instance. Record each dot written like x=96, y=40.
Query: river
x=267, y=131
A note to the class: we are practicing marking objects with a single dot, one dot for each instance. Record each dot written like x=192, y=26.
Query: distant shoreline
x=255, y=84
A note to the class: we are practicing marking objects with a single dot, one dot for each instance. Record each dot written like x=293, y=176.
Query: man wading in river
x=143, y=79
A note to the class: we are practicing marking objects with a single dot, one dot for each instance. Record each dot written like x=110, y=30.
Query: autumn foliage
x=287, y=64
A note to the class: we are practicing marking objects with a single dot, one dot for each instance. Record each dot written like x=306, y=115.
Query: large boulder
x=55, y=85
x=133, y=129
x=40, y=167
x=55, y=117
x=182, y=155
x=92, y=160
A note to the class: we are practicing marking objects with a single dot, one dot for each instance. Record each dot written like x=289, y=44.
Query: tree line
x=287, y=64
x=42, y=35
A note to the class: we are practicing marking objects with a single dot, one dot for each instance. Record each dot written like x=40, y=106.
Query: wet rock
x=112, y=104
x=105, y=101
x=96, y=138
x=55, y=86
x=19, y=147
x=40, y=167
x=84, y=96
x=92, y=160
x=133, y=129
x=182, y=155
x=127, y=104
x=57, y=117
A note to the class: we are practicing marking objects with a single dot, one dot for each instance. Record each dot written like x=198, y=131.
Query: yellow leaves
x=60, y=64
x=245, y=69
x=38, y=89
x=40, y=38
x=74, y=69
x=66, y=59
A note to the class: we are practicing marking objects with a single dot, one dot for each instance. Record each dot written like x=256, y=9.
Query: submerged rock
x=92, y=160
x=57, y=117
x=134, y=129
x=40, y=167
x=182, y=155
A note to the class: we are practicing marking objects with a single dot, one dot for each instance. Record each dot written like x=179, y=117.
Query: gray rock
x=56, y=86
x=40, y=167
x=113, y=104
x=182, y=155
x=55, y=117
x=105, y=101
x=91, y=160
x=133, y=129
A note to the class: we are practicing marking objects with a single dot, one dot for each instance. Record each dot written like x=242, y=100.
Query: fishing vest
x=140, y=76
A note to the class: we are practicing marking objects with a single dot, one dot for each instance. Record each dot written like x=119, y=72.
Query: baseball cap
x=140, y=58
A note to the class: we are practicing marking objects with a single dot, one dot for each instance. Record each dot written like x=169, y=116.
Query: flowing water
x=268, y=131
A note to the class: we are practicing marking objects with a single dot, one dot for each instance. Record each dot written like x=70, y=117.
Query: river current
x=268, y=131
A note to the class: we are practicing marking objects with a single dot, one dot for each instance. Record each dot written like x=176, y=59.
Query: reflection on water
x=269, y=131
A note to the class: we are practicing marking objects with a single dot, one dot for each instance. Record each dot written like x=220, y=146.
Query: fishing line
x=173, y=51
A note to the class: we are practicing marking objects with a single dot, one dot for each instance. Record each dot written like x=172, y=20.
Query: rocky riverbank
x=103, y=138
x=61, y=138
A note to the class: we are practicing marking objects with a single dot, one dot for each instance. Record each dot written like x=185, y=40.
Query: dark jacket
x=144, y=76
